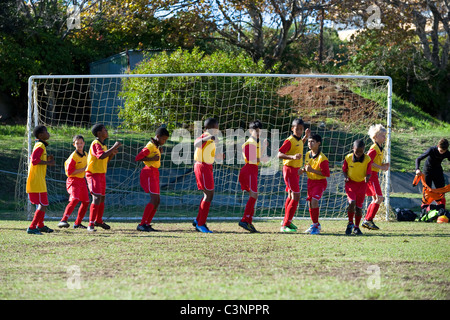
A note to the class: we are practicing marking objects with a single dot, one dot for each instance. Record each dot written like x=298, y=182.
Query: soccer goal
x=338, y=107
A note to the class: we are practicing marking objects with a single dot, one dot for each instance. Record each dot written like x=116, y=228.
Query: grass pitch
x=403, y=260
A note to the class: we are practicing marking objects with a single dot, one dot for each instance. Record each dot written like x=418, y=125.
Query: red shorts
x=356, y=191
x=204, y=176
x=373, y=186
x=316, y=189
x=96, y=183
x=149, y=178
x=291, y=178
x=248, y=177
x=38, y=198
x=77, y=189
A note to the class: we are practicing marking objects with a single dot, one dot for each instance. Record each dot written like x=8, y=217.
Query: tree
x=263, y=28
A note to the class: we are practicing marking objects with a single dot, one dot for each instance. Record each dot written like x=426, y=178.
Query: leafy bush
x=178, y=101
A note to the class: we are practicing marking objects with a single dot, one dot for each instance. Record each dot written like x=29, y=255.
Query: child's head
x=99, y=131
x=162, y=134
x=255, y=128
x=41, y=133
x=211, y=125
x=298, y=127
x=442, y=145
x=377, y=133
x=358, y=148
x=314, y=142
x=78, y=142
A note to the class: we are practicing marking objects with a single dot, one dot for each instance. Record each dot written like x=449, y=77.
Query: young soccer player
x=204, y=156
x=292, y=154
x=357, y=169
x=97, y=163
x=75, y=167
x=433, y=166
x=377, y=134
x=149, y=177
x=36, y=185
x=317, y=169
x=248, y=175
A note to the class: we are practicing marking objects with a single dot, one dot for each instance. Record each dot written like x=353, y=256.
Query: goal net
x=132, y=107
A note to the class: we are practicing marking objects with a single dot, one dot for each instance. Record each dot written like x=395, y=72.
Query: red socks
x=69, y=209
x=93, y=213
x=314, y=214
x=372, y=211
x=82, y=212
x=148, y=215
x=38, y=219
x=249, y=210
x=291, y=208
x=203, y=211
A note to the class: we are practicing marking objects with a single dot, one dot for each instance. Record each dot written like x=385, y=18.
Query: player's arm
x=144, y=156
x=372, y=154
x=368, y=171
x=36, y=158
x=345, y=170
x=306, y=136
x=100, y=154
x=71, y=168
x=200, y=140
x=285, y=148
x=324, y=169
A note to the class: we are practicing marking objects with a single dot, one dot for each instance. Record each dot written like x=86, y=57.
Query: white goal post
x=338, y=107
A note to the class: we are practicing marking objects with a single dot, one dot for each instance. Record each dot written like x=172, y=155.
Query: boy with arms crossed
x=149, y=177
x=291, y=152
x=36, y=185
x=75, y=167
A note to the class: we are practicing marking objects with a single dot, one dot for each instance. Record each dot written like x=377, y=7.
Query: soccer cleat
x=142, y=228
x=369, y=225
x=102, y=225
x=91, y=229
x=63, y=224
x=349, y=229
x=194, y=223
x=287, y=229
x=357, y=231
x=45, y=229
x=33, y=231
x=311, y=226
x=292, y=226
x=79, y=226
x=315, y=230
x=203, y=229
x=247, y=226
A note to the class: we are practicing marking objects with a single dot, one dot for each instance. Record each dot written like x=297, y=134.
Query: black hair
x=96, y=128
x=298, y=122
x=162, y=131
x=255, y=125
x=77, y=137
x=316, y=138
x=359, y=143
x=211, y=123
x=38, y=130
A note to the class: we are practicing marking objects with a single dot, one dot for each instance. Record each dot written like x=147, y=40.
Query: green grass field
x=403, y=260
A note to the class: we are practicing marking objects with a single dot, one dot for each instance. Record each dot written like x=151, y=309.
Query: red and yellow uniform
x=75, y=183
x=357, y=170
x=149, y=177
x=96, y=168
x=376, y=153
x=203, y=167
x=291, y=146
x=36, y=185
x=317, y=183
x=248, y=176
